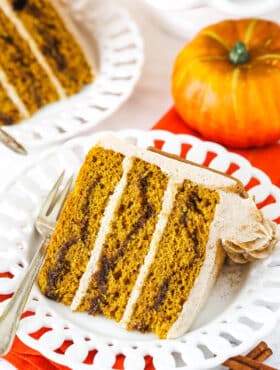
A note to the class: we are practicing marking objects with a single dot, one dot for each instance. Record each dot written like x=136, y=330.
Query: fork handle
x=9, y=320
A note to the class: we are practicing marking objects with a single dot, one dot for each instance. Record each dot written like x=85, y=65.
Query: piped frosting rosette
x=265, y=239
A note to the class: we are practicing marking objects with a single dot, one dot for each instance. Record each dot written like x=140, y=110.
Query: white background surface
x=150, y=101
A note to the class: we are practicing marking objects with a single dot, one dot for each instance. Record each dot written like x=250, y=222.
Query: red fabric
x=267, y=158
x=23, y=357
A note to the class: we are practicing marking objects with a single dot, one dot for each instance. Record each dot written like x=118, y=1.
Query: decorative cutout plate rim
x=250, y=316
x=115, y=39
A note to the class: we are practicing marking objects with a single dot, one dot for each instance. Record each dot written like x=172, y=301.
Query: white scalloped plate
x=114, y=41
x=242, y=309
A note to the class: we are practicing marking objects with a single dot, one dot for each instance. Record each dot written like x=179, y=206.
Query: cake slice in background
x=140, y=239
x=43, y=58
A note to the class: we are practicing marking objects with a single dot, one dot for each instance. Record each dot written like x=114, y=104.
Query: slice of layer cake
x=140, y=239
x=42, y=59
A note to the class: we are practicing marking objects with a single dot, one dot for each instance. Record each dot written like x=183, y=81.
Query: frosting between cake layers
x=13, y=95
x=64, y=12
x=97, y=248
x=167, y=203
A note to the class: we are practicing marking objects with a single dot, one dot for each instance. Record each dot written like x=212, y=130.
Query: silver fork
x=45, y=224
x=11, y=142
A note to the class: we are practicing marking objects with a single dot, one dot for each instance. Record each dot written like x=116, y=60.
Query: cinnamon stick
x=255, y=352
x=260, y=353
x=234, y=363
x=264, y=355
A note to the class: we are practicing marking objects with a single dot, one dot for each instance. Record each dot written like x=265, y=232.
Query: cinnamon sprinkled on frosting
x=259, y=248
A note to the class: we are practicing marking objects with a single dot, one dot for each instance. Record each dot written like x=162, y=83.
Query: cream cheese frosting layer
x=64, y=13
x=167, y=204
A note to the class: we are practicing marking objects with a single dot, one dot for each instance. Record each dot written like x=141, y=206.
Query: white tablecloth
x=148, y=103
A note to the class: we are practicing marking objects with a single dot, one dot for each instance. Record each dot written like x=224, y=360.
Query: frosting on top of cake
x=179, y=170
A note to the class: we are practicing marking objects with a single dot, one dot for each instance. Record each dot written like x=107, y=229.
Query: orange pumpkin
x=226, y=82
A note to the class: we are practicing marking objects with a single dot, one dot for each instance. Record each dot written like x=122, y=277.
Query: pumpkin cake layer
x=71, y=244
x=140, y=239
x=22, y=69
x=58, y=46
x=177, y=262
x=127, y=242
x=9, y=114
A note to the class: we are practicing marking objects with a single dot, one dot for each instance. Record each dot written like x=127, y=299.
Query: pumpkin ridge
x=213, y=35
x=181, y=79
x=268, y=42
x=249, y=31
x=234, y=81
x=273, y=109
x=268, y=55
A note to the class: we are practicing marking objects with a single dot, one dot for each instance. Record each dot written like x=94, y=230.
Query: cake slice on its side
x=22, y=70
x=146, y=245
x=58, y=40
x=44, y=59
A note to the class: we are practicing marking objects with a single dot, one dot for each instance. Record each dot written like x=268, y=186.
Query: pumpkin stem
x=239, y=53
